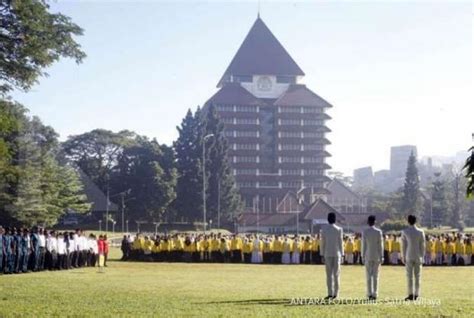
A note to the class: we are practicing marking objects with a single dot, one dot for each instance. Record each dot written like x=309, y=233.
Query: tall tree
x=97, y=152
x=188, y=203
x=469, y=166
x=411, y=203
x=31, y=39
x=439, y=201
x=147, y=172
x=223, y=200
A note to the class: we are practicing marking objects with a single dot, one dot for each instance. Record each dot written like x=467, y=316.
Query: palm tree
x=469, y=166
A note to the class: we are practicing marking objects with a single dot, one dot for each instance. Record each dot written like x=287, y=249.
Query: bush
x=393, y=225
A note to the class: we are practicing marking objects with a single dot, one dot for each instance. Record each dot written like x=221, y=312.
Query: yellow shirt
x=438, y=246
x=267, y=247
x=460, y=248
x=357, y=245
x=396, y=246
x=349, y=247
x=215, y=245
x=315, y=245
x=469, y=249
x=306, y=246
x=236, y=244
x=277, y=246
x=296, y=246
x=247, y=247
x=136, y=244
x=387, y=245
x=165, y=246
x=450, y=248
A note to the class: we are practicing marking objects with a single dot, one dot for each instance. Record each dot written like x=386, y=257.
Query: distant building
x=363, y=178
x=343, y=199
x=275, y=125
x=399, y=158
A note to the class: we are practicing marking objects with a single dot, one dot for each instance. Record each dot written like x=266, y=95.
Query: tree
x=187, y=147
x=35, y=187
x=411, y=189
x=223, y=200
x=31, y=39
x=150, y=176
x=97, y=152
x=469, y=167
x=439, y=201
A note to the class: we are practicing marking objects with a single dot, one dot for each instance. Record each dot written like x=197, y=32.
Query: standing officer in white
x=372, y=256
x=333, y=252
x=413, y=250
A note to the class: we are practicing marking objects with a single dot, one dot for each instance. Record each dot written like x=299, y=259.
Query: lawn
x=170, y=290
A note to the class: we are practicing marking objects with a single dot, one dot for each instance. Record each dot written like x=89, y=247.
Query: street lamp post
x=126, y=222
x=113, y=226
x=100, y=225
x=204, y=177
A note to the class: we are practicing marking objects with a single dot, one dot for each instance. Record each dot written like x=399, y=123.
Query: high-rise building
x=275, y=125
x=399, y=159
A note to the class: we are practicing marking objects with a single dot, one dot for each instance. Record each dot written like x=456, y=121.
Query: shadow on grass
x=297, y=302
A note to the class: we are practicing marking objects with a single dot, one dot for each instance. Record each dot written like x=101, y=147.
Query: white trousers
x=413, y=270
x=439, y=258
x=333, y=270
x=372, y=274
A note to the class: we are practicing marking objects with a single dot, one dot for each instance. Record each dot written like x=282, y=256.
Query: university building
x=275, y=125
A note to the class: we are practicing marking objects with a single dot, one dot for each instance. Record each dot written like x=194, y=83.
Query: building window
x=290, y=134
x=247, y=133
x=290, y=122
x=225, y=108
x=292, y=109
x=313, y=172
x=247, y=121
x=246, y=184
x=246, y=109
x=291, y=159
x=246, y=146
x=229, y=133
x=251, y=159
x=246, y=171
x=227, y=120
x=312, y=122
x=291, y=184
x=313, y=185
x=312, y=110
x=269, y=184
x=307, y=134
x=313, y=159
x=289, y=172
x=313, y=147
x=290, y=146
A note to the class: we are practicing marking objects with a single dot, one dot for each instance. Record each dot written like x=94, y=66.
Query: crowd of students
x=445, y=249
x=24, y=250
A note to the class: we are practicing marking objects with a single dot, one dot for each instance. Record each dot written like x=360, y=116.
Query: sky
x=396, y=72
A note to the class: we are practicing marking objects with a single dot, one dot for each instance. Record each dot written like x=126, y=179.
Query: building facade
x=275, y=125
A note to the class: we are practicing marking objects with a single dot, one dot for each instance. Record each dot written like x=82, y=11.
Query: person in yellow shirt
x=205, y=244
x=286, y=255
x=267, y=251
x=357, y=248
x=147, y=247
x=386, y=250
x=429, y=250
x=236, y=249
x=460, y=250
x=306, y=250
x=277, y=248
x=349, y=250
x=165, y=249
x=469, y=252
x=450, y=251
x=438, y=247
x=396, y=249
x=155, y=250
x=247, y=250
x=224, y=249
x=214, y=247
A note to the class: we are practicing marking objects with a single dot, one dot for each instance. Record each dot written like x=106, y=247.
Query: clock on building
x=264, y=83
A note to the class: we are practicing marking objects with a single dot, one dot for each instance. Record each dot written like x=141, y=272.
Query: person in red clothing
x=101, y=250
x=106, y=250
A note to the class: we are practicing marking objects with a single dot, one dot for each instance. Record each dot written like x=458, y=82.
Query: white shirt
x=413, y=244
x=51, y=244
x=41, y=240
x=331, y=241
x=61, y=246
x=372, y=244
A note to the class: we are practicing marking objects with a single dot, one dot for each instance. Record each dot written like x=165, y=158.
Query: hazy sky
x=396, y=72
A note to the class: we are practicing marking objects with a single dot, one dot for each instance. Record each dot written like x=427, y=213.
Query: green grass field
x=170, y=290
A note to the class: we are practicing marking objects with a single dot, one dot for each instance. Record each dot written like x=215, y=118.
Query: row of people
x=24, y=250
x=284, y=249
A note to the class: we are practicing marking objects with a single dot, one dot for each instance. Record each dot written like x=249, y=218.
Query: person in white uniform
x=413, y=250
x=333, y=252
x=372, y=256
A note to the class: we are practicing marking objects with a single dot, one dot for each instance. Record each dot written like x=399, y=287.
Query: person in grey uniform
x=333, y=252
x=372, y=256
x=413, y=250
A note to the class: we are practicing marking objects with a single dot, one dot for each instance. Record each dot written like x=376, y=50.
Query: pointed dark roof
x=340, y=190
x=261, y=53
x=234, y=94
x=300, y=95
x=320, y=209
